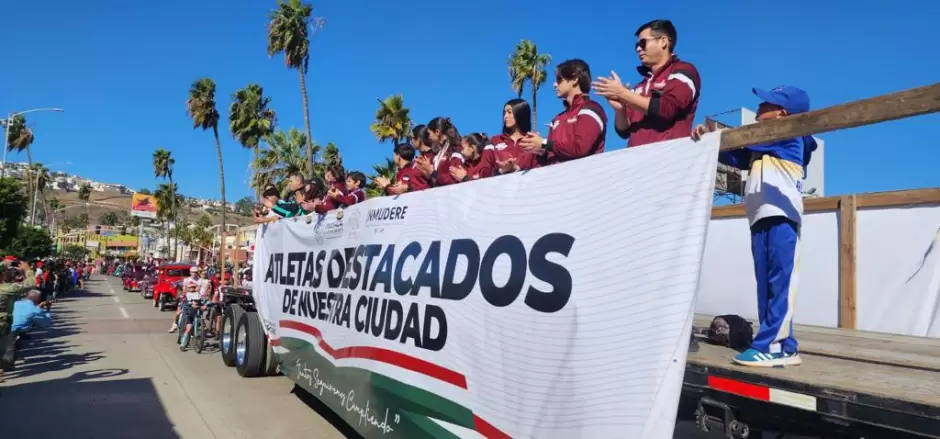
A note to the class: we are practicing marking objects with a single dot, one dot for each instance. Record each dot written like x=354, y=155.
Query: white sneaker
x=173, y=328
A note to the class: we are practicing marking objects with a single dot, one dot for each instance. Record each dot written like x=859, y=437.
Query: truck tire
x=270, y=361
x=164, y=298
x=249, y=346
x=230, y=318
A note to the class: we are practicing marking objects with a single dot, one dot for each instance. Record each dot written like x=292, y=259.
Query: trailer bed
x=848, y=378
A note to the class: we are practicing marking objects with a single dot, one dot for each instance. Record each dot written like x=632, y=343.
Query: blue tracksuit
x=774, y=205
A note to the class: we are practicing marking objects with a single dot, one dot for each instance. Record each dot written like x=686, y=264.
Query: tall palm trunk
x=535, y=90
x=29, y=186
x=176, y=230
x=303, y=96
x=218, y=151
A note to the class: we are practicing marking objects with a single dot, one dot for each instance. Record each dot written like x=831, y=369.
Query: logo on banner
x=384, y=216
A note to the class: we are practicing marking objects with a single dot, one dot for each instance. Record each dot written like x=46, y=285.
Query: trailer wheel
x=230, y=318
x=249, y=346
x=270, y=361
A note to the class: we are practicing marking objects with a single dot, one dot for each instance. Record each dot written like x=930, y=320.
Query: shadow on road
x=43, y=350
x=85, y=405
x=325, y=412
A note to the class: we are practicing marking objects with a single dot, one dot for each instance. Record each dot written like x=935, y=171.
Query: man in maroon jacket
x=576, y=132
x=662, y=107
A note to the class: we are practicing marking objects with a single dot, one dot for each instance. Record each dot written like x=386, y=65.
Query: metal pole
x=6, y=144
x=32, y=215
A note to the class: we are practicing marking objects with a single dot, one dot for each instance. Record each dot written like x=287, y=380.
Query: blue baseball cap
x=790, y=98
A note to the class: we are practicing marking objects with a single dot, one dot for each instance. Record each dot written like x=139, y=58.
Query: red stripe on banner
x=274, y=341
x=394, y=358
x=739, y=388
x=488, y=430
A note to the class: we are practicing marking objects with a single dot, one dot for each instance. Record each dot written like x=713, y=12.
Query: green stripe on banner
x=408, y=407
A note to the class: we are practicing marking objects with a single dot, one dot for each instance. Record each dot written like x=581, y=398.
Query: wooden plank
x=847, y=260
x=899, y=198
x=913, y=102
x=847, y=251
x=810, y=205
x=835, y=374
x=875, y=347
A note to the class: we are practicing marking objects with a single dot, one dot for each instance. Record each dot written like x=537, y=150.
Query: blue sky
x=121, y=70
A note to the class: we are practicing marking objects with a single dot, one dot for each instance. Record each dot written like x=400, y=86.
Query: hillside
x=101, y=202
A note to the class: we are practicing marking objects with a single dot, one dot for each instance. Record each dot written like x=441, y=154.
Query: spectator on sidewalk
x=662, y=107
x=29, y=312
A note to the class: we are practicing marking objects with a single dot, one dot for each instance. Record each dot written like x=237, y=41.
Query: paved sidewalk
x=108, y=369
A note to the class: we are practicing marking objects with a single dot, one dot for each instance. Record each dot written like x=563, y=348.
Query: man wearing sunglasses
x=662, y=107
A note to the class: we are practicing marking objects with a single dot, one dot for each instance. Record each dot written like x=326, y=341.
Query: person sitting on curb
x=29, y=312
x=773, y=202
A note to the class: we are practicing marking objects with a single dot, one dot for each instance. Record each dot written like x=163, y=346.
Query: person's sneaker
x=755, y=358
x=185, y=342
x=172, y=328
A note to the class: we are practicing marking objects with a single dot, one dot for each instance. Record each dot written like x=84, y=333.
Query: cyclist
x=191, y=304
x=190, y=284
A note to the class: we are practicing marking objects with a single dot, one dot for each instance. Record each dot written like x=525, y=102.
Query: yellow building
x=99, y=245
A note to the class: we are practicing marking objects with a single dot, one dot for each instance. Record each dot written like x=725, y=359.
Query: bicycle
x=198, y=332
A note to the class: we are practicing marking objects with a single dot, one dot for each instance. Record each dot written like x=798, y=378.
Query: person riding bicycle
x=193, y=300
x=193, y=283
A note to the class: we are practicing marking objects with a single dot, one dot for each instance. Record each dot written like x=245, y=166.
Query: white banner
x=555, y=303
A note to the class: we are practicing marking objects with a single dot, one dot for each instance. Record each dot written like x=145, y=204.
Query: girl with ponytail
x=445, y=140
x=473, y=148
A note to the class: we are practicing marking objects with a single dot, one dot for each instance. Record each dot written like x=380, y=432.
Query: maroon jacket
x=328, y=202
x=575, y=133
x=411, y=177
x=481, y=168
x=673, y=93
x=353, y=197
x=441, y=176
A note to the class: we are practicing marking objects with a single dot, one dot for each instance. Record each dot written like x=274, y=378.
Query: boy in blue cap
x=773, y=203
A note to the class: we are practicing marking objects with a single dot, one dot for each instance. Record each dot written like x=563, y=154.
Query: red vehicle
x=129, y=275
x=166, y=286
x=132, y=280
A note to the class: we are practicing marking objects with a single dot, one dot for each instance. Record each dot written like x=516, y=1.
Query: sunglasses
x=641, y=43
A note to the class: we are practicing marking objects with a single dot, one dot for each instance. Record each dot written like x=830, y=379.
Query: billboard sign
x=144, y=206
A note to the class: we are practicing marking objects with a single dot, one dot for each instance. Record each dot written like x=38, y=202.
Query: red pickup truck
x=165, y=288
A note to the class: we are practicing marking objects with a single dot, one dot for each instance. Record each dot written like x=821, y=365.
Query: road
x=108, y=369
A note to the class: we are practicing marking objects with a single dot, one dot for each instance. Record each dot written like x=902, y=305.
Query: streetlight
x=6, y=133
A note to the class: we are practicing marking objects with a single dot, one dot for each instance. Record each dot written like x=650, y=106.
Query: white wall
x=728, y=286
x=897, y=270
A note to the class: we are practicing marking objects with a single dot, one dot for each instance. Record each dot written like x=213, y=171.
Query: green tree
x=12, y=209
x=283, y=156
x=108, y=219
x=244, y=206
x=31, y=243
x=20, y=137
x=526, y=64
x=144, y=191
x=167, y=203
x=392, y=120
x=39, y=175
x=75, y=252
x=202, y=109
x=250, y=118
x=163, y=162
x=84, y=194
x=52, y=209
x=387, y=170
x=290, y=27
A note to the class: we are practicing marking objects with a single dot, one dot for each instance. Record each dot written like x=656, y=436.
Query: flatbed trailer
x=851, y=384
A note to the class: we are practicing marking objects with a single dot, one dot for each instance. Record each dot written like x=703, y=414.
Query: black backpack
x=732, y=331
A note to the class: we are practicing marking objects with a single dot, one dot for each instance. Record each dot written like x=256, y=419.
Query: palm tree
x=526, y=64
x=108, y=219
x=19, y=138
x=163, y=162
x=387, y=170
x=289, y=31
x=392, y=121
x=284, y=156
x=84, y=194
x=39, y=174
x=167, y=201
x=201, y=107
x=250, y=119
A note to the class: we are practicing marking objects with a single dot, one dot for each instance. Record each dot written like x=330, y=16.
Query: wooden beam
x=847, y=251
x=913, y=102
x=900, y=198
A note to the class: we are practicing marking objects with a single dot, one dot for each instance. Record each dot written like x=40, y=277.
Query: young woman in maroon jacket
x=473, y=166
x=504, y=153
x=444, y=136
x=336, y=181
